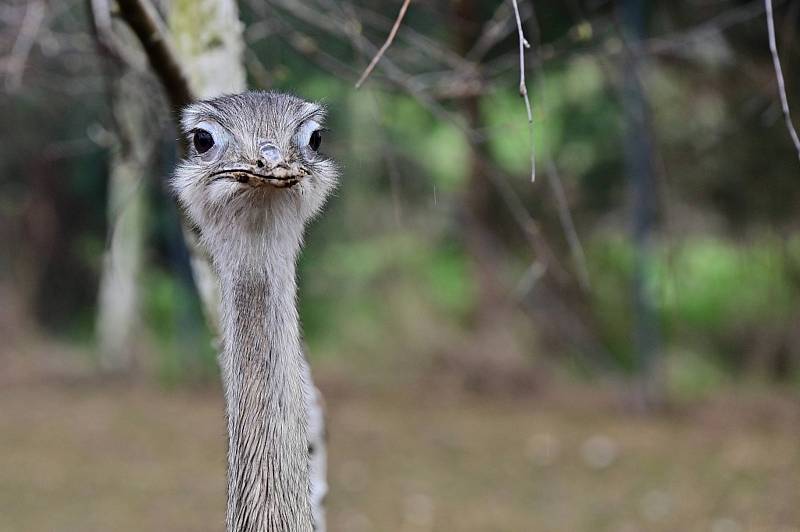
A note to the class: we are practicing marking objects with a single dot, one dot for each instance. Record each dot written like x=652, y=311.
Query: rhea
x=252, y=179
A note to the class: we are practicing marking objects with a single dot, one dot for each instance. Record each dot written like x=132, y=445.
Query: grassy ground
x=83, y=455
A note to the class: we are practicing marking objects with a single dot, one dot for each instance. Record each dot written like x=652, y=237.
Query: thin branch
x=257, y=70
x=523, y=89
x=101, y=16
x=386, y=45
x=555, y=182
x=108, y=43
x=568, y=225
x=776, y=61
x=523, y=43
x=15, y=65
x=329, y=23
x=494, y=30
x=670, y=44
x=529, y=227
x=420, y=45
x=145, y=22
x=306, y=46
x=673, y=42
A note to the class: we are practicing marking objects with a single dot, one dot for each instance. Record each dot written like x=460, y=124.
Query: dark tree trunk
x=479, y=193
x=639, y=166
x=493, y=359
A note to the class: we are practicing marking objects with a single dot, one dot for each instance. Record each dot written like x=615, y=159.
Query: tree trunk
x=136, y=140
x=643, y=196
x=118, y=319
x=477, y=202
x=209, y=42
x=493, y=360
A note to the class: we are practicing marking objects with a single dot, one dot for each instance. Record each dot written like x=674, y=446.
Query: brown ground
x=82, y=455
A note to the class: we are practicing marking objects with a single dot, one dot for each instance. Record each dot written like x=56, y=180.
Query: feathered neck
x=265, y=390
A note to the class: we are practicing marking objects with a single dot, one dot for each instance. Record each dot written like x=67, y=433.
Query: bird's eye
x=315, y=140
x=203, y=140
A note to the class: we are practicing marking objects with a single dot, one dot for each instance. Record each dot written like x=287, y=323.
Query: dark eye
x=203, y=141
x=315, y=140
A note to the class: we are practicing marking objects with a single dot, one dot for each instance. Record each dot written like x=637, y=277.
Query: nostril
x=260, y=163
x=270, y=154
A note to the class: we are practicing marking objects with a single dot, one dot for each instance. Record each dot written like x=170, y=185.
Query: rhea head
x=253, y=166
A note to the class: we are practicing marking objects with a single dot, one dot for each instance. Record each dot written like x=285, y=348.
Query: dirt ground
x=80, y=454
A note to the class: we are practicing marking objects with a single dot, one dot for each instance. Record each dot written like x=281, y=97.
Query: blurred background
x=613, y=346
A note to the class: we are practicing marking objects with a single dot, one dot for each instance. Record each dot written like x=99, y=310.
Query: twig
x=34, y=14
x=386, y=45
x=673, y=42
x=554, y=179
x=101, y=16
x=523, y=43
x=523, y=90
x=144, y=20
x=568, y=225
x=343, y=28
x=108, y=43
x=529, y=227
x=494, y=30
x=776, y=61
x=420, y=44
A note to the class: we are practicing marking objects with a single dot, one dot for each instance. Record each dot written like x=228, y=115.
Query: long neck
x=265, y=391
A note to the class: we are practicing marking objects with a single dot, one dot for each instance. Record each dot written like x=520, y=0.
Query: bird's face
x=253, y=162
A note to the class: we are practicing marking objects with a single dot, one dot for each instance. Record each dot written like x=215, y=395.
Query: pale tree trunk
x=118, y=319
x=209, y=42
x=136, y=140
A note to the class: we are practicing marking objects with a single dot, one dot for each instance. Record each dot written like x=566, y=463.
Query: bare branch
x=673, y=42
x=523, y=90
x=342, y=27
x=108, y=41
x=776, y=61
x=494, y=30
x=523, y=43
x=101, y=16
x=568, y=225
x=419, y=43
x=144, y=20
x=556, y=184
x=307, y=46
x=386, y=45
x=15, y=65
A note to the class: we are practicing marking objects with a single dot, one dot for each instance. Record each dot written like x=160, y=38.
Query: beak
x=280, y=175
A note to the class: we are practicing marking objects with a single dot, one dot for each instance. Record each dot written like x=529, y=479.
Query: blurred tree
x=479, y=195
x=209, y=44
x=135, y=116
x=494, y=359
x=639, y=165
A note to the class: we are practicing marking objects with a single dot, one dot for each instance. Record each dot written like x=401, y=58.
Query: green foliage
x=504, y=112
x=439, y=147
x=350, y=291
x=574, y=119
x=708, y=292
x=691, y=375
x=721, y=285
x=172, y=314
x=611, y=265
